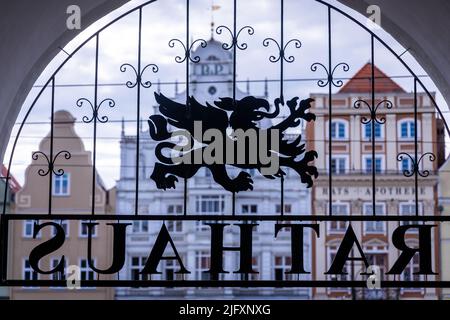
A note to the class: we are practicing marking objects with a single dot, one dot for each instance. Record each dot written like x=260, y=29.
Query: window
x=61, y=185
x=171, y=268
x=406, y=165
x=208, y=205
x=282, y=264
x=137, y=264
x=84, y=229
x=65, y=225
x=249, y=208
x=378, y=132
x=86, y=273
x=409, y=209
x=346, y=269
x=28, y=229
x=140, y=226
x=339, y=209
x=58, y=275
x=410, y=270
x=287, y=208
x=252, y=276
x=374, y=226
x=407, y=129
x=28, y=272
x=379, y=164
x=174, y=226
x=339, y=164
x=338, y=129
x=202, y=264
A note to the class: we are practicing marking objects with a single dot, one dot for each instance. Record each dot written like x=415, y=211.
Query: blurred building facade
x=351, y=167
x=71, y=194
x=211, y=78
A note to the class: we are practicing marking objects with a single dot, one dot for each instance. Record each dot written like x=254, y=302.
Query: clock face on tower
x=211, y=69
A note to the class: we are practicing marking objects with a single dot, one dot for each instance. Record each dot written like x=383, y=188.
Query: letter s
x=48, y=247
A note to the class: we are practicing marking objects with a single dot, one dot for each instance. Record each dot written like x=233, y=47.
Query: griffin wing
x=183, y=118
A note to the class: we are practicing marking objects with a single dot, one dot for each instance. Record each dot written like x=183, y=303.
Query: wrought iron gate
x=138, y=82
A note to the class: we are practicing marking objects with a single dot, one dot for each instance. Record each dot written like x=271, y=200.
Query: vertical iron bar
x=281, y=92
x=330, y=83
x=282, y=53
x=4, y=247
x=234, y=82
x=50, y=182
x=372, y=123
x=138, y=114
x=94, y=151
x=188, y=107
x=416, y=146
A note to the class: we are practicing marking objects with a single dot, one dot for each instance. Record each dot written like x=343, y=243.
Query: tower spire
x=176, y=86
x=158, y=87
x=248, y=86
x=122, y=132
x=214, y=7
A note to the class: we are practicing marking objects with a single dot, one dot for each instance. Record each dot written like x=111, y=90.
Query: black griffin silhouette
x=245, y=114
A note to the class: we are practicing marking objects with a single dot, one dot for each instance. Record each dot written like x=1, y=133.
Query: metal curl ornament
x=373, y=111
x=51, y=162
x=415, y=167
x=330, y=75
x=282, y=51
x=95, y=110
x=235, y=37
x=139, y=77
x=187, y=51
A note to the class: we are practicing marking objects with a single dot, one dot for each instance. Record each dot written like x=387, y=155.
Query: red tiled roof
x=13, y=183
x=361, y=82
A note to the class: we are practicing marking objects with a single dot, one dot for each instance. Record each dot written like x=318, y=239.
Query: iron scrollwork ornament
x=139, y=76
x=282, y=51
x=330, y=79
x=95, y=109
x=416, y=164
x=235, y=37
x=51, y=162
x=373, y=111
x=187, y=50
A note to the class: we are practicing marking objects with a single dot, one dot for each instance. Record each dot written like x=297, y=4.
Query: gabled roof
x=13, y=183
x=361, y=82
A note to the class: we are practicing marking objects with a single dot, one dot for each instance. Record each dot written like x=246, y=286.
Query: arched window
x=339, y=129
x=378, y=131
x=407, y=129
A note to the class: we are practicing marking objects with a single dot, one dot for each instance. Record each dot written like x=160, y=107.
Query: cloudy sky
x=305, y=20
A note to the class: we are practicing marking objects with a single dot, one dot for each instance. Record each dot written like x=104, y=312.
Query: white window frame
x=200, y=225
x=410, y=267
x=284, y=266
x=345, y=157
x=287, y=208
x=399, y=129
x=346, y=129
x=87, y=269
x=24, y=228
x=382, y=131
x=139, y=267
x=67, y=174
x=338, y=231
x=369, y=156
x=138, y=226
x=400, y=213
x=340, y=277
x=80, y=228
x=175, y=209
x=200, y=273
x=29, y=269
x=369, y=212
x=67, y=231
x=56, y=274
